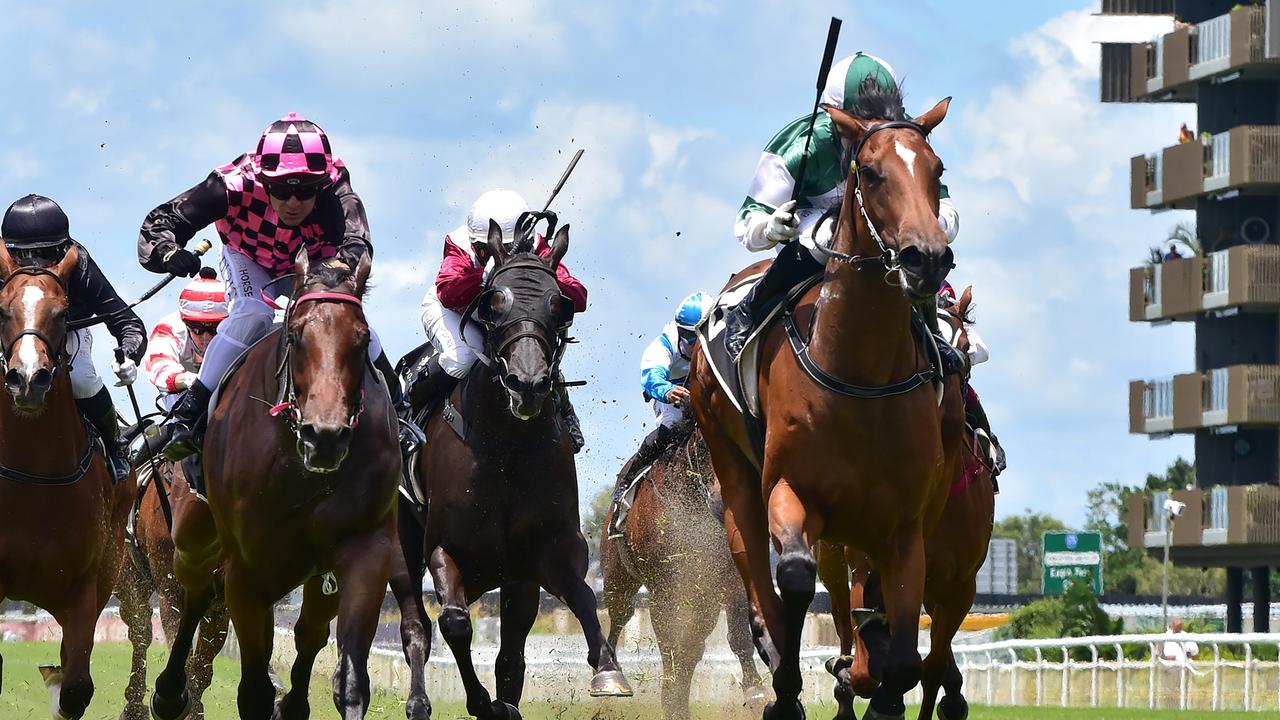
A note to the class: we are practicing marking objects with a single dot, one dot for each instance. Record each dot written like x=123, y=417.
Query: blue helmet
x=691, y=310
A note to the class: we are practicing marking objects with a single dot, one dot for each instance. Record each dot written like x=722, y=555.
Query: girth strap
x=801, y=349
x=82, y=467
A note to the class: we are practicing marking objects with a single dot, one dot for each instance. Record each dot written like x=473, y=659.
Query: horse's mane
x=331, y=276
x=877, y=102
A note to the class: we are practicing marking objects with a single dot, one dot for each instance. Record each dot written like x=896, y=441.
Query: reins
x=287, y=400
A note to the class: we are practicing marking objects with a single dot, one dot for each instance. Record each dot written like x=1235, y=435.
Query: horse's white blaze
x=31, y=298
x=908, y=156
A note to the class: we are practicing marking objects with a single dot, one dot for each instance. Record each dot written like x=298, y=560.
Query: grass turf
x=25, y=698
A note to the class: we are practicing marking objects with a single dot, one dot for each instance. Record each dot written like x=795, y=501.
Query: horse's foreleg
x=902, y=573
x=940, y=666
x=620, y=587
x=212, y=636
x=519, y=610
x=871, y=635
x=738, y=627
x=134, y=593
x=254, y=620
x=455, y=628
x=794, y=529
x=363, y=567
x=407, y=568
x=78, y=618
x=682, y=619
x=564, y=577
x=834, y=573
x=310, y=635
x=171, y=700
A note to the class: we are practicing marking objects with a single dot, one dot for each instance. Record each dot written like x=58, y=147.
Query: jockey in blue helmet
x=664, y=370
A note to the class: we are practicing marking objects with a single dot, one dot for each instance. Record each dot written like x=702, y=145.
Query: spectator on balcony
x=1185, y=135
x=1179, y=651
x=1173, y=253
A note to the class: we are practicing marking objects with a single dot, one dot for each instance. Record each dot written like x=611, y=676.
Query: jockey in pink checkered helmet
x=296, y=151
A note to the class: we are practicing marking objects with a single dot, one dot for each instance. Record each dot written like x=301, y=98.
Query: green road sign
x=1069, y=555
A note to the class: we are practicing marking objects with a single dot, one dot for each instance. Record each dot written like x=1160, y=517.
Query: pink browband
x=337, y=297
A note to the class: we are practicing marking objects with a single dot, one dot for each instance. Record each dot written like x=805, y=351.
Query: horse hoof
x=793, y=711
x=836, y=664
x=953, y=707
x=499, y=710
x=610, y=683
x=178, y=708
x=872, y=714
x=755, y=698
x=418, y=709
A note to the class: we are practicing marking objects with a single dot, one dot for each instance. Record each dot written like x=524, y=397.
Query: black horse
x=499, y=473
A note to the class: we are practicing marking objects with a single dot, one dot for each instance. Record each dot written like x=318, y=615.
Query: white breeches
x=666, y=413
x=85, y=382
x=441, y=325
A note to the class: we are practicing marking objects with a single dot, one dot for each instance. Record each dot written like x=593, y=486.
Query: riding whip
x=201, y=248
x=567, y=171
x=833, y=34
x=151, y=458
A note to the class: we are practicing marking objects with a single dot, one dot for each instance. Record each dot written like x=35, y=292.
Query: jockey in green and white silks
x=769, y=217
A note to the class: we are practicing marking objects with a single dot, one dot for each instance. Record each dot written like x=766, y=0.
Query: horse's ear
x=495, y=242
x=559, y=246
x=67, y=263
x=7, y=265
x=934, y=117
x=301, y=268
x=362, y=273
x=966, y=297
x=848, y=126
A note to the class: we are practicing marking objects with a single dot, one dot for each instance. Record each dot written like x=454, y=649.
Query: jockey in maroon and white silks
x=178, y=342
x=291, y=193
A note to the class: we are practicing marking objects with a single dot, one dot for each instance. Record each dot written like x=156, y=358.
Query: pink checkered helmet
x=296, y=148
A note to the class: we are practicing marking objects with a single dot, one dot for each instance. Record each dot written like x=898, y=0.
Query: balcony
x=1245, y=277
x=1168, y=68
x=1245, y=159
x=1222, y=398
x=1171, y=290
x=1137, y=7
x=1222, y=524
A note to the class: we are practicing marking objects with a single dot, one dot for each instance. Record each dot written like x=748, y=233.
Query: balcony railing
x=1246, y=158
x=1238, y=395
x=1211, y=43
x=1243, y=276
x=1137, y=7
x=1220, y=515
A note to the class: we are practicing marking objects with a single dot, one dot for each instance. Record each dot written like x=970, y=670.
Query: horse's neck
x=58, y=428
x=486, y=407
x=861, y=326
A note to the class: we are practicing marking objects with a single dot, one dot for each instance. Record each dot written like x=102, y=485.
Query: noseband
x=888, y=256
x=59, y=352
x=287, y=401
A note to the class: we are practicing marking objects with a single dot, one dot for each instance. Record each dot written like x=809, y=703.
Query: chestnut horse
x=503, y=489
x=955, y=550
x=148, y=568
x=671, y=542
x=863, y=466
x=61, y=517
x=295, y=492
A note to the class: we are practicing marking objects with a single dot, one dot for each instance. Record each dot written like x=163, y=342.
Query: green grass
x=24, y=697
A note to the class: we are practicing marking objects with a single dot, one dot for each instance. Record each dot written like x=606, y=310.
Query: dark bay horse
x=954, y=551
x=500, y=475
x=149, y=570
x=671, y=543
x=301, y=466
x=61, y=517
x=868, y=471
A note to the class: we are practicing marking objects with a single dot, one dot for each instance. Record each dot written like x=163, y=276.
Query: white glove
x=185, y=380
x=126, y=372
x=783, y=225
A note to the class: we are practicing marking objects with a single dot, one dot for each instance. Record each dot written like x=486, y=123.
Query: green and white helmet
x=848, y=75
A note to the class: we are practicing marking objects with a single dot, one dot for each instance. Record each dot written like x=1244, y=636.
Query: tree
x=1028, y=529
x=1184, y=233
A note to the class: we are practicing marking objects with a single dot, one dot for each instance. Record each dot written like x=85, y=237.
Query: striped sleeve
x=163, y=362
x=655, y=366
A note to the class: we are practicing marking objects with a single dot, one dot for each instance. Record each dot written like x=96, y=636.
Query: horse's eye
x=869, y=174
x=494, y=305
x=561, y=309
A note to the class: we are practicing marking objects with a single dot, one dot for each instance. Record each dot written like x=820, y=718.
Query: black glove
x=181, y=262
x=351, y=254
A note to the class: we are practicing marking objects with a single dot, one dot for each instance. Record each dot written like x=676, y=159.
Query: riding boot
x=409, y=434
x=953, y=361
x=432, y=386
x=188, y=422
x=977, y=416
x=650, y=448
x=101, y=413
x=792, y=266
x=568, y=415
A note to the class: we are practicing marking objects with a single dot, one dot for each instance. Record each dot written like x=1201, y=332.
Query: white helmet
x=501, y=206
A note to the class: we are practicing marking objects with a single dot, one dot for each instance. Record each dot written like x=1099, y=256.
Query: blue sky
x=111, y=112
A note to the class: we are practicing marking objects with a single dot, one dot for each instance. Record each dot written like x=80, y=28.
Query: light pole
x=1172, y=509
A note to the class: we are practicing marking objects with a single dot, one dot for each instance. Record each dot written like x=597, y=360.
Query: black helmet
x=34, y=223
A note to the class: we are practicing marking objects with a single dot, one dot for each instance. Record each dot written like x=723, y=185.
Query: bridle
x=59, y=351
x=287, y=400
x=888, y=257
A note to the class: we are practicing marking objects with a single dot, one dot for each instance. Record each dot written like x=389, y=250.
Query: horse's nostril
x=542, y=386
x=513, y=381
x=912, y=259
x=308, y=434
x=947, y=259
x=343, y=436
x=13, y=378
x=42, y=379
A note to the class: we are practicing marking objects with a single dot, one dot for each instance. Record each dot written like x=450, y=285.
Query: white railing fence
x=1154, y=165
x=1218, y=513
x=1213, y=40
x=1216, y=390
x=1219, y=165
x=1230, y=672
x=1219, y=272
x=1157, y=401
x=1157, y=59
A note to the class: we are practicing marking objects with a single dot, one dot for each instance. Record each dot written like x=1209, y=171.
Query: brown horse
x=500, y=475
x=61, y=517
x=955, y=550
x=670, y=543
x=296, y=492
x=863, y=466
x=147, y=569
